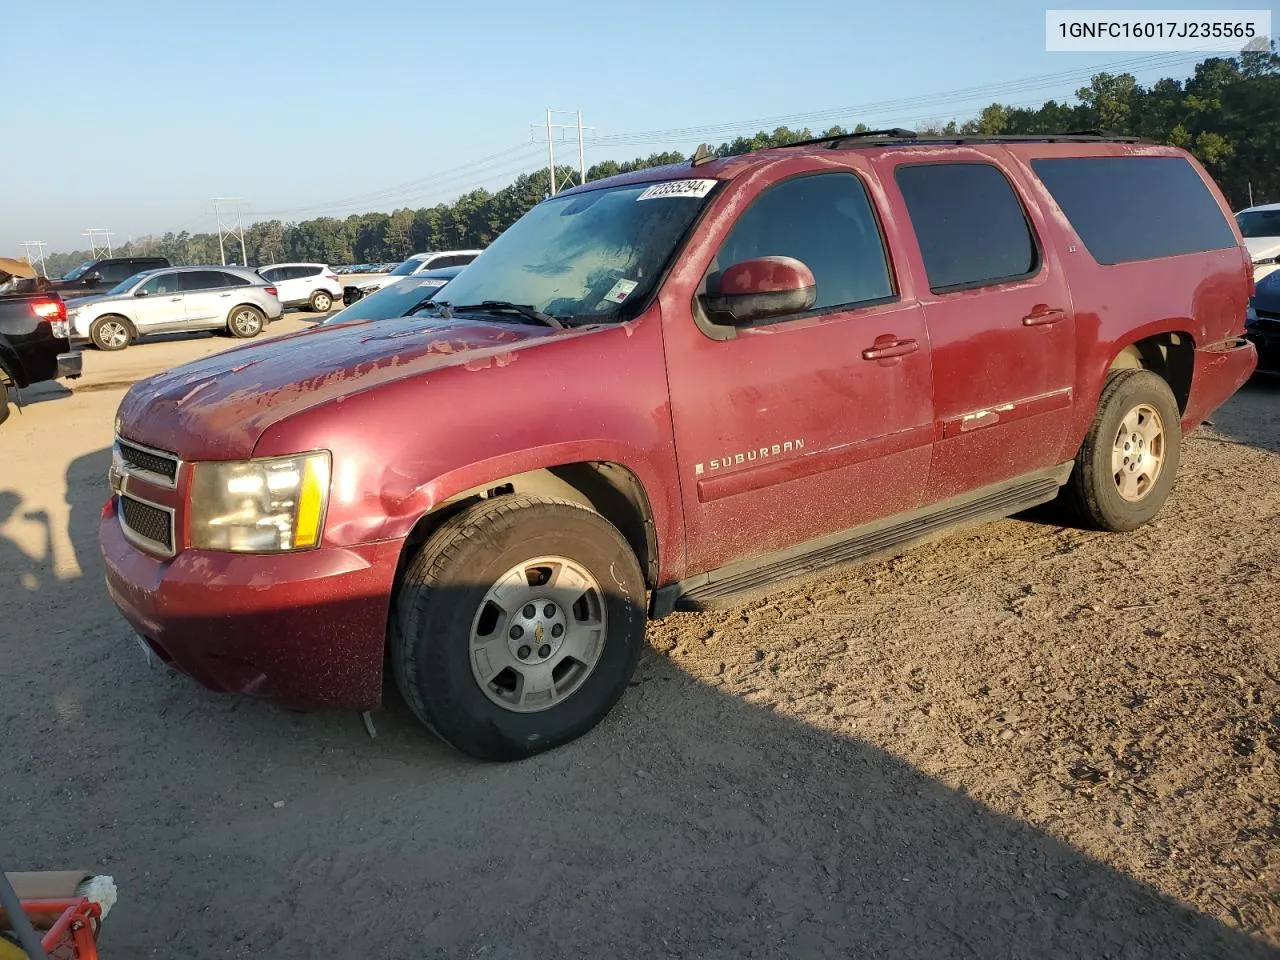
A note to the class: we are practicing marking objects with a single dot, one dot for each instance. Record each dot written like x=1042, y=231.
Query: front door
x=1000, y=323
x=790, y=430
x=158, y=304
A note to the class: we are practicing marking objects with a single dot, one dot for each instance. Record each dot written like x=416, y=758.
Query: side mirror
x=141, y=292
x=91, y=281
x=760, y=289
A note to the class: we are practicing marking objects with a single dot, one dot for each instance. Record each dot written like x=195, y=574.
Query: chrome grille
x=147, y=523
x=139, y=460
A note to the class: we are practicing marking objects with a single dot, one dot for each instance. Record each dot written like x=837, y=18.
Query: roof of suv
x=706, y=164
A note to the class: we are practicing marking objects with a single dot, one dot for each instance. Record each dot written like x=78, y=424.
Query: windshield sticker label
x=432, y=282
x=678, y=188
x=620, y=291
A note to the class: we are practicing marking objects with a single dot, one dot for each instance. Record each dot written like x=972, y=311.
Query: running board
x=736, y=581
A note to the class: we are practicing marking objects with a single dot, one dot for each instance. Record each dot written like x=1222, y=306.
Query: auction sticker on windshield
x=432, y=282
x=678, y=188
x=620, y=291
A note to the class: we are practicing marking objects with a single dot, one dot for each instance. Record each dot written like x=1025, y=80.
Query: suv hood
x=218, y=407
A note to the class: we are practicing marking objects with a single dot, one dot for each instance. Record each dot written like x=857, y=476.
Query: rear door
x=789, y=430
x=202, y=296
x=999, y=316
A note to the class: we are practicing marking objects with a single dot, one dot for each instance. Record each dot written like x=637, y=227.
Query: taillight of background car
x=272, y=291
x=49, y=309
x=331, y=276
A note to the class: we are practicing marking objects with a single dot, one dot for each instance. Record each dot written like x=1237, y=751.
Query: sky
x=131, y=115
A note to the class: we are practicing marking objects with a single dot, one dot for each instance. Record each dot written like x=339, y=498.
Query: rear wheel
x=518, y=626
x=1128, y=463
x=110, y=333
x=321, y=301
x=245, y=321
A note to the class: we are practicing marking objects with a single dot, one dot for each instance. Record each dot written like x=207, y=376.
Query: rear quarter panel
x=405, y=447
x=1202, y=295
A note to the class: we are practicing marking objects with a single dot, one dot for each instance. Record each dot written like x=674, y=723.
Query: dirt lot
x=1025, y=741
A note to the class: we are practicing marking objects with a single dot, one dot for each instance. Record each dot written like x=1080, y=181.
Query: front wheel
x=1128, y=463
x=245, y=322
x=110, y=333
x=321, y=301
x=518, y=626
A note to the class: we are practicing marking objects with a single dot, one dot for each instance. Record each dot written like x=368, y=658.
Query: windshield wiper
x=504, y=306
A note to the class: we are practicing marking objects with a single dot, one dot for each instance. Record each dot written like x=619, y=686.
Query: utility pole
x=223, y=210
x=99, y=240
x=551, y=150
x=39, y=255
x=1251, y=193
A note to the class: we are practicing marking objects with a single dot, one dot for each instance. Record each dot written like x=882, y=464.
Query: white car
x=1260, y=227
x=311, y=285
x=415, y=264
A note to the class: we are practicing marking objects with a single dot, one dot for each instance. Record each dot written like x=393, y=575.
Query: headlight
x=259, y=506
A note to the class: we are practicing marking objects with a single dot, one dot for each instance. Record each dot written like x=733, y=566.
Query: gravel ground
x=1023, y=741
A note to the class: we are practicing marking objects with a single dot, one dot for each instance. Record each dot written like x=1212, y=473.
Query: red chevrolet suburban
x=674, y=388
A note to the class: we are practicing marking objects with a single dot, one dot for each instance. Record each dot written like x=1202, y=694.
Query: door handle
x=888, y=347
x=174, y=299
x=1041, y=316
x=224, y=294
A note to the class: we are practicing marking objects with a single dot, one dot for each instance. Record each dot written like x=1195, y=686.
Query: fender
x=11, y=365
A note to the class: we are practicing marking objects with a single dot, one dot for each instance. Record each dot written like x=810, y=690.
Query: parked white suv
x=1260, y=227
x=311, y=285
x=175, y=298
x=418, y=263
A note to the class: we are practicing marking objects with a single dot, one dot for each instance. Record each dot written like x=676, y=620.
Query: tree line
x=1227, y=114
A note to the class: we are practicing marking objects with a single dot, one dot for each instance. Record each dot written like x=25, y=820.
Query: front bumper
x=69, y=365
x=306, y=630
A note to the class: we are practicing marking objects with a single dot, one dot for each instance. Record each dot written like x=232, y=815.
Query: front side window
x=162, y=283
x=826, y=222
x=125, y=285
x=970, y=225
x=586, y=257
x=115, y=272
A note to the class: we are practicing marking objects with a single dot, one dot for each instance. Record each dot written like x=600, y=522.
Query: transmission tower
x=38, y=258
x=551, y=150
x=229, y=212
x=99, y=241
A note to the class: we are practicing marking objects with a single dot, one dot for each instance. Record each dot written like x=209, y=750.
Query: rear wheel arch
x=1169, y=355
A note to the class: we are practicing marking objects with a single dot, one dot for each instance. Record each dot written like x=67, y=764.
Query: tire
x=111, y=333
x=444, y=612
x=321, y=301
x=245, y=321
x=1101, y=492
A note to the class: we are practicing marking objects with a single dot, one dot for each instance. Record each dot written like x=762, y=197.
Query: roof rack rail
x=899, y=136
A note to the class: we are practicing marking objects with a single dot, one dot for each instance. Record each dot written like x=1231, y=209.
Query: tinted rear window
x=1136, y=208
x=970, y=224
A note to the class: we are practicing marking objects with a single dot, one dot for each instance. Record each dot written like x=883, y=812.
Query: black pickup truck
x=34, y=344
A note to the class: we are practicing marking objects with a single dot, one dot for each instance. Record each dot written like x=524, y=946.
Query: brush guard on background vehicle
x=52, y=916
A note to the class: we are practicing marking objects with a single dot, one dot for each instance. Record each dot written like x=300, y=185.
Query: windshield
x=583, y=256
x=125, y=285
x=1259, y=223
x=78, y=271
x=406, y=268
x=393, y=300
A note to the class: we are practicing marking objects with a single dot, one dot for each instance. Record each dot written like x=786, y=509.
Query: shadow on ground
x=690, y=824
